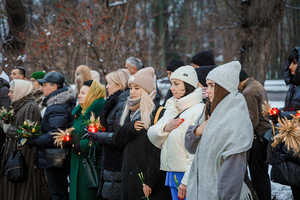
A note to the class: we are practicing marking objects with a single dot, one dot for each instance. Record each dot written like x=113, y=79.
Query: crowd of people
x=197, y=144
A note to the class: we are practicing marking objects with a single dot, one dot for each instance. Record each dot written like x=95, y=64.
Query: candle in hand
x=92, y=128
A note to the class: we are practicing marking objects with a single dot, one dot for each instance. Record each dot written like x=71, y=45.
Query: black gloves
x=92, y=136
x=31, y=143
x=274, y=116
x=77, y=148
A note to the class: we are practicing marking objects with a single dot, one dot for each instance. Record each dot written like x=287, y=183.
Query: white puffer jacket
x=174, y=156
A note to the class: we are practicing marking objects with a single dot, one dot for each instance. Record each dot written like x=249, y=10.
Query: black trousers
x=58, y=183
x=259, y=168
x=296, y=193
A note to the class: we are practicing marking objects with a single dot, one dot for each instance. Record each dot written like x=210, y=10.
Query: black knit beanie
x=203, y=58
x=202, y=73
x=175, y=64
x=243, y=75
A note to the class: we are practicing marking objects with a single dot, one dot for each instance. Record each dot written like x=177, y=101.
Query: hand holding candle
x=274, y=114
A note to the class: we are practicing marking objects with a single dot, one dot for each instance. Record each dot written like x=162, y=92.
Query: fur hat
x=186, y=74
x=145, y=78
x=226, y=75
x=82, y=74
x=95, y=75
x=203, y=58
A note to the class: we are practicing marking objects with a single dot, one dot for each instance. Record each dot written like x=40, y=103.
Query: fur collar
x=110, y=103
x=60, y=96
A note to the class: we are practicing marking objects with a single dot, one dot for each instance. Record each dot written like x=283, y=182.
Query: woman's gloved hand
x=76, y=148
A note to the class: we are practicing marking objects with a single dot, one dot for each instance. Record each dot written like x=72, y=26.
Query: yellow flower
x=33, y=130
x=25, y=123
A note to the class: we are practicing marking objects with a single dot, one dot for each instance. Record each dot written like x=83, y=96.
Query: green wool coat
x=78, y=191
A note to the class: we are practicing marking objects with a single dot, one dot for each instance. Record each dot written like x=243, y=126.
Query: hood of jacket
x=4, y=82
x=61, y=96
x=288, y=77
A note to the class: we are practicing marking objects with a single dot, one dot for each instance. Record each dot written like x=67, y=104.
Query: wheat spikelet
x=92, y=118
x=266, y=108
x=289, y=133
x=60, y=136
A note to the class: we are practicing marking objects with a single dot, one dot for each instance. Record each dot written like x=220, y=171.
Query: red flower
x=91, y=10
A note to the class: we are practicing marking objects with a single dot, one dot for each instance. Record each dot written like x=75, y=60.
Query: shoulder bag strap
x=157, y=114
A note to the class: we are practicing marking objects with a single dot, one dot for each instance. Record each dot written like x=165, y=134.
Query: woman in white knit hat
x=169, y=132
x=220, y=140
x=139, y=154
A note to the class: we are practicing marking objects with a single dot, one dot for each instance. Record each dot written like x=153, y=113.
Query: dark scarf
x=133, y=104
x=110, y=103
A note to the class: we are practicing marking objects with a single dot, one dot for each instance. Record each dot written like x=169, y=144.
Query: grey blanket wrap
x=228, y=131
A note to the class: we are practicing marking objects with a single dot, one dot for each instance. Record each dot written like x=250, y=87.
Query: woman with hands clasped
x=220, y=139
x=169, y=133
x=139, y=155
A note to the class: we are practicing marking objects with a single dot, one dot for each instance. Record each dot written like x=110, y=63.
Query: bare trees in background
x=103, y=33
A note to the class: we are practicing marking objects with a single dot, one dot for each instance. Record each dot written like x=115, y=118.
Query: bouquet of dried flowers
x=28, y=130
x=6, y=116
x=62, y=136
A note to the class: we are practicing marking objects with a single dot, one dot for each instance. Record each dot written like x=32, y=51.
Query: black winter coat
x=110, y=178
x=58, y=114
x=140, y=155
x=4, y=101
x=292, y=100
x=285, y=167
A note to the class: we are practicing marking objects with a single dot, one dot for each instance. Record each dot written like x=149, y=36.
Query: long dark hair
x=188, y=89
x=219, y=94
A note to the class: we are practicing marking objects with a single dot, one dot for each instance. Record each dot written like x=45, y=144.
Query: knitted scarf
x=228, y=131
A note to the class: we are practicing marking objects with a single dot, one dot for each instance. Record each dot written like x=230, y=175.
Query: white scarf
x=228, y=131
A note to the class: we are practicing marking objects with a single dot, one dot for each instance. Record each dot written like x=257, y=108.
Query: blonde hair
x=146, y=107
x=118, y=77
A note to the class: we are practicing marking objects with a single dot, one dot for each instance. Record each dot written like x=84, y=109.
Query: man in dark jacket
x=255, y=95
x=60, y=101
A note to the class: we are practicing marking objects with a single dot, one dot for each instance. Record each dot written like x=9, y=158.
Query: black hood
x=3, y=82
x=288, y=77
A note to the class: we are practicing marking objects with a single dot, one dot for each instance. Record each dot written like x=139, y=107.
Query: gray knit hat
x=226, y=75
x=186, y=74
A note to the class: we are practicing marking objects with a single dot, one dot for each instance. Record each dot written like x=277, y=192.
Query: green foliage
x=29, y=130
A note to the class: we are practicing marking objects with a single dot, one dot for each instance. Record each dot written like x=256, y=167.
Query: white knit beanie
x=226, y=75
x=145, y=78
x=187, y=74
